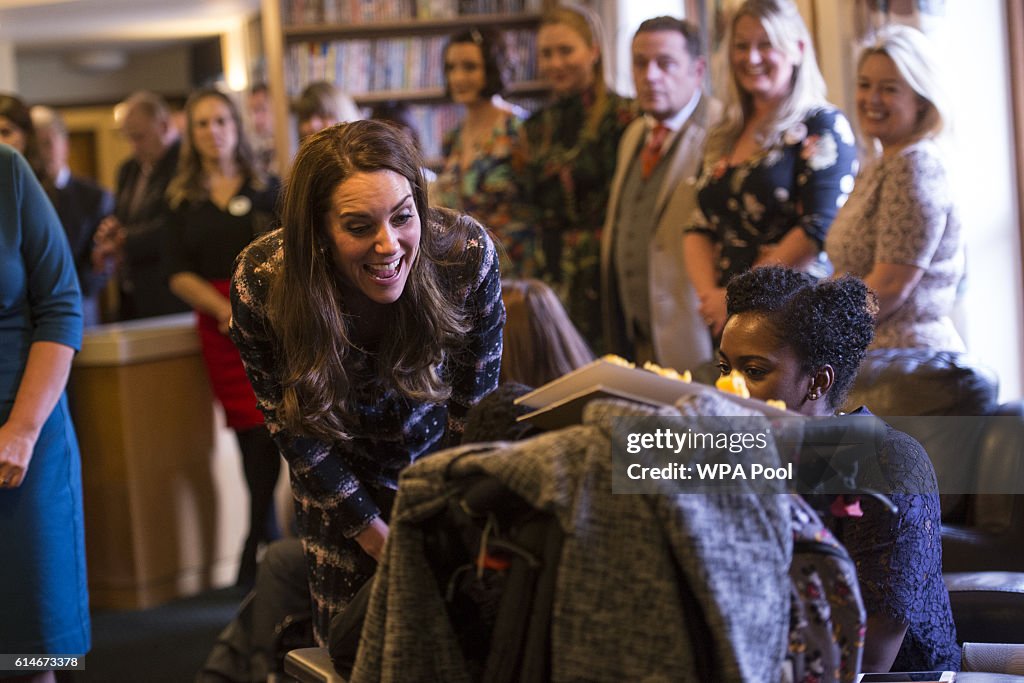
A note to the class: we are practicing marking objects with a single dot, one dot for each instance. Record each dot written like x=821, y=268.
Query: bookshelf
x=390, y=50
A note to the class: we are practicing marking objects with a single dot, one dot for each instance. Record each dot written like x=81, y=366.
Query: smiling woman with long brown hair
x=368, y=324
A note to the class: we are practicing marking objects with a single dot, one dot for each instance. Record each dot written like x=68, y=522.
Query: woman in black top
x=220, y=205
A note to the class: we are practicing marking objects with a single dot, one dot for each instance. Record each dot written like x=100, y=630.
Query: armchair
x=981, y=531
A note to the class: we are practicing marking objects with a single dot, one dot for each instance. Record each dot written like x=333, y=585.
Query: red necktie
x=652, y=150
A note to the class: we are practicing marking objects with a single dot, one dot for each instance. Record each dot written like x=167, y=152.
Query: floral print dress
x=490, y=191
x=568, y=175
x=799, y=182
x=902, y=211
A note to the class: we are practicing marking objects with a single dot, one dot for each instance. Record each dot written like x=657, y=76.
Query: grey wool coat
x=617, y=615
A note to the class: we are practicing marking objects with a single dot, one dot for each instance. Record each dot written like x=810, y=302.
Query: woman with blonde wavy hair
x=369, y=323
x=901, y=229
x=572, y=145
x=322, y=104
x=777, y=167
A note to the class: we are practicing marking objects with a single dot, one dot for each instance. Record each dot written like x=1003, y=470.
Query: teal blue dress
x=44, y=602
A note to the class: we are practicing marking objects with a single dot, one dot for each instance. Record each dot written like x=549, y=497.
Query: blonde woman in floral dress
x=478, y=176
x=778, y=166
x=901, y=229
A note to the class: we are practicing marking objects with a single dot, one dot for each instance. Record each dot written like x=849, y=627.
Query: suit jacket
x=144, y=290
x=681, y=339
x=81, y=205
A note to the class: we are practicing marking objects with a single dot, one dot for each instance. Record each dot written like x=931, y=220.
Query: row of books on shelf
x=433, y=123
x=310, y=12
x=408, y=63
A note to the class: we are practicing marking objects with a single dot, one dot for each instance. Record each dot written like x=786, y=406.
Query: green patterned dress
x=572, y=147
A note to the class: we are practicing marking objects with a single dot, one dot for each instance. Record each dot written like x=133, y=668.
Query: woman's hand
x=713, y=309
x=795, y=250
x=108, y=246
x=43, y=381
x=699, y=255
x=224, y=320
x=15, y=453
x=198, y=293
x=372, y=538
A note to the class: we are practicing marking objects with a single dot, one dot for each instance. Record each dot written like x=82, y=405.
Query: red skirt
x=227, y=375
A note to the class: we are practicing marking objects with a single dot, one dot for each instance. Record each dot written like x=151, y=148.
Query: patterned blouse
x=899, y=557
x=902, y=212
x=337, y=485
x=490, y=191
x=799, y=182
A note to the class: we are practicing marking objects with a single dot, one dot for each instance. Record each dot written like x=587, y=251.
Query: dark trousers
x=261, y=463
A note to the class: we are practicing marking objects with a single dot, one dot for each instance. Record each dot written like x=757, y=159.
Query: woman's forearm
x=882, y=642
x=200, y=295
x=795, y=250
x=892, y=283
x=699, y=257
x=46, y=375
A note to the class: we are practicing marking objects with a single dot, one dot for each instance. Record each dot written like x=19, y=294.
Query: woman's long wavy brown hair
x=307, y=307
x=189, y=182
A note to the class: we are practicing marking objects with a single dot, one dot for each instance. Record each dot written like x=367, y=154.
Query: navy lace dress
x=899, y=557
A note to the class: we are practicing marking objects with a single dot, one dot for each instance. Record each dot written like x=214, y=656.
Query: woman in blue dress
x=220, y=204
x=802, y=342
x=43, y=587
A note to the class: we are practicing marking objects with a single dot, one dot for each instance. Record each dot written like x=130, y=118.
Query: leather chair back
x=895, y=382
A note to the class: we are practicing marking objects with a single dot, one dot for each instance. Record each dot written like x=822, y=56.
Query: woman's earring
x=812, y=395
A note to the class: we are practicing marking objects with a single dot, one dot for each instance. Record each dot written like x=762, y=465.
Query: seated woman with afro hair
x=802, y=341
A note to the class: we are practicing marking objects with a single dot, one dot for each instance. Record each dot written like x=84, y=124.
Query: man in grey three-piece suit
x=651, y=308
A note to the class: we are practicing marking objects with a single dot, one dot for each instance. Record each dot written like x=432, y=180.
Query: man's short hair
x=689, y=31
x=149, y=103
x=46, y=117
